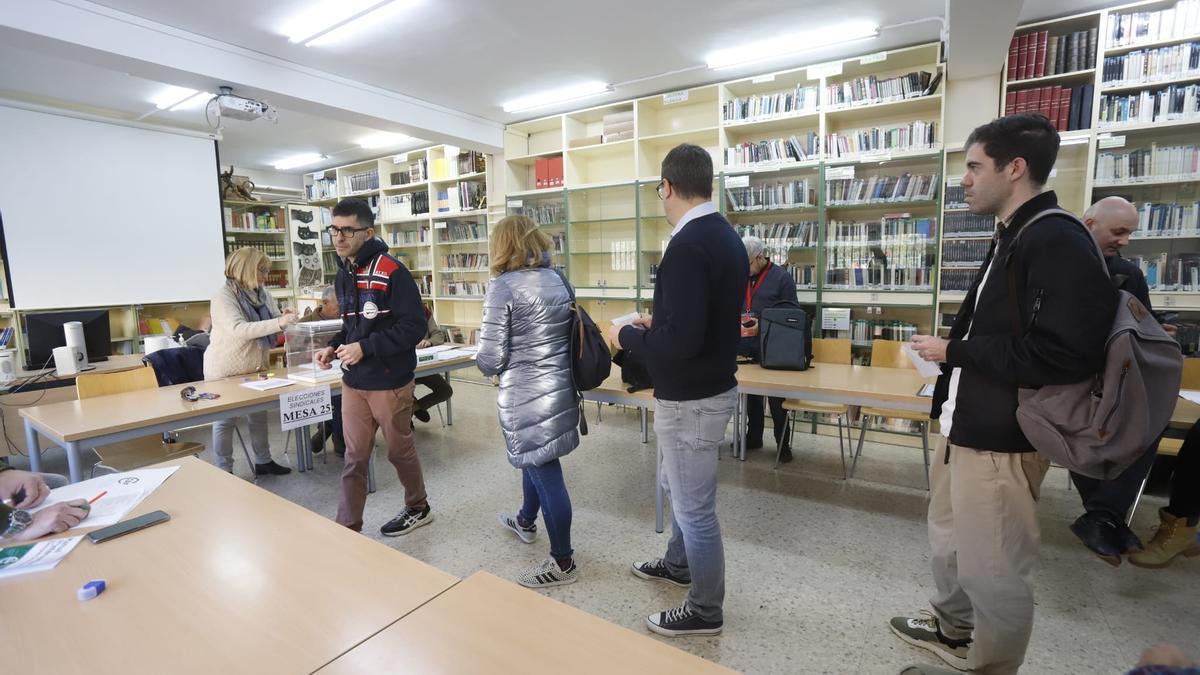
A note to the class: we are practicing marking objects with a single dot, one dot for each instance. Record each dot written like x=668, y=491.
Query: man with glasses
x=691, y=347
x=382, y=322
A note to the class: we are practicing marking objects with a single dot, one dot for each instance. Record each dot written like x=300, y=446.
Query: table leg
x=645, y=413
x=739, y=437
x=308, y=455
x=298, y=435
x=73, y=461
x=449, y=406
x=658, y=491
x=31, y=445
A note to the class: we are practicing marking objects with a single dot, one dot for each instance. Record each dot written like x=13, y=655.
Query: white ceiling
x=468, y=55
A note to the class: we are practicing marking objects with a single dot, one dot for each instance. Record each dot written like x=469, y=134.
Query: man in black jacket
x=769, y=285
x=382, y=322
x=1038, y=312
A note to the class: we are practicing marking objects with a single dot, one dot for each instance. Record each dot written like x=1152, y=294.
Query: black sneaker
x=422, y=415
x=681, y=622
x=752, y=444
x=1100, y=535
x=316, y=444
x=925, y=632
x=339, y=446
x=271, y=469
x=1127, y=541
x=408, y=520
x=656, y=570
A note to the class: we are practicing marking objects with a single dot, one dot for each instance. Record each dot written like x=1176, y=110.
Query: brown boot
x=1172, y=538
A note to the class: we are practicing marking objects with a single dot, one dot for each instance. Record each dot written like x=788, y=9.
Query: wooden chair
x=824, y=351
x=139, y=452
x=887, y=354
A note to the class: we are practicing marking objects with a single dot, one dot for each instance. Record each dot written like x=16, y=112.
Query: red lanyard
x=752, y=288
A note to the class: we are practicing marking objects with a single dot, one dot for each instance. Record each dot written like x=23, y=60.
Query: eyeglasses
x=659, y=188
x=344, y=232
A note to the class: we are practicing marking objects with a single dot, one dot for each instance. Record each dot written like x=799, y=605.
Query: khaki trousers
x=983, y=530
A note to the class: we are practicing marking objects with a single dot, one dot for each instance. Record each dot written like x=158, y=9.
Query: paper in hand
x=925, y=368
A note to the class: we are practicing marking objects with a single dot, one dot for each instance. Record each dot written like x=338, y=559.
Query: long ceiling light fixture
x=789, y=45
x=574, y=92
x=384, y=140
x=331, y=15
x=172, y=97
x=296, y=161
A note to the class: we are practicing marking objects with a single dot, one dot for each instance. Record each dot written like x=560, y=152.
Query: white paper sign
x=515, y=203
x=737, y=181
x=1105, y=142
x=835, y=318
x=873, y=58
x=763, y=79
x=825, y=70
x=675, y=97
x=305, y=406
x=839, y=172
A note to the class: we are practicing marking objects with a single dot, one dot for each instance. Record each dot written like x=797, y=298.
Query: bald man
x=1112, y=221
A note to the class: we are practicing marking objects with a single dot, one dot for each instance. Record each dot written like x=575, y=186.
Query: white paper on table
x=456, y=354
x=1190, y=395
x=925, y=368
x=26, y=558
x=267, y=384
x=425, y=351
x=124, y=492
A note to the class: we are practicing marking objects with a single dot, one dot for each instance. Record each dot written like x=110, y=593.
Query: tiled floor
x=815, y=566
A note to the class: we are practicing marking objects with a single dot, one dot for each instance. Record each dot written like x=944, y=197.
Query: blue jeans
x=544, y=487
x=689, y=438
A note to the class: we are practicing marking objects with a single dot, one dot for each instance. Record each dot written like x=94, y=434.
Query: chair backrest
x=887, y=354
x=828, y=350
x=89, y=385
x=1191, y=373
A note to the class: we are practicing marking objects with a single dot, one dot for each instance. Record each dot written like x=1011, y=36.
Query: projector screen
x=99, y=214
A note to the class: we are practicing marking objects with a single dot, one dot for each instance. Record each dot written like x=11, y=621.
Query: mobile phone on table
x=125, y=527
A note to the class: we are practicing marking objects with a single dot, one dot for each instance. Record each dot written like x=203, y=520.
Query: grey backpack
x=1100, y=426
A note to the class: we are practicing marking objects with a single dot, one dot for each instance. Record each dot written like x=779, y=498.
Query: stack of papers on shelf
x=28, y=558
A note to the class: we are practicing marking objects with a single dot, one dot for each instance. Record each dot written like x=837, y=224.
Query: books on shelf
x=1068, y=108
x=1169, y=162
x=461, y=262
x=964, y=252
x=956, y=281
x=914, y=136
x=1167, y=220
x=412, y=172
x=321, y=188
x=423, y=262
x=548, y=172
x=778, y=195
x=893, y=253
x=871, y=89
x=774, y=151
x=1166, y=273
x=1038, y=54
x=800, y=100
x=906, y=187
x=1173, y=103
x=956, y=197
x=865, y=330
x=1134, y=28
x=463, y=288
x=616, y=126
x=471, y=161
x=1146, y=66
x=804, y=275
x=249, y=221
x=780, y=238
x=472, y=195
x=409, y=237
x=458, y=231
x=424, y=284
x=622, y=255
x=361, y=181
x=542, y=213
x=405, y=205
x=968, y=224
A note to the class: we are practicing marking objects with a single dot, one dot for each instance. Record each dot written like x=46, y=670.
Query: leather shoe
x=1100, y=535
x=270, y=469
x=1127, y=541
x=317, y=443
x=422, y=415
x=785, y=455
x=752, y=444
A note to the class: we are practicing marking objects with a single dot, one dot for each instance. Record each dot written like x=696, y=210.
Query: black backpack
x=591, y=360
x=784, y=337
x=634, y=371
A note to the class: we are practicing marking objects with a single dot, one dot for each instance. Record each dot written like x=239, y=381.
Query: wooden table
x=487, y=625
x=119, y=417
x=238, y=581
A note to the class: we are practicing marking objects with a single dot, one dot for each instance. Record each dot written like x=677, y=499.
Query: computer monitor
x=44, y=332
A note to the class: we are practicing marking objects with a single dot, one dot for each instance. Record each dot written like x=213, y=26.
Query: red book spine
x=1039, y=62
x=1023, y=58
x=1062, y=101
x=1013, y=47
x=1023, y=101
x=1035, y=100
x=1010, y=103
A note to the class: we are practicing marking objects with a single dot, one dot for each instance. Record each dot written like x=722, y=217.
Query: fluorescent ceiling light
x=327, y=16
x=194, y=101
x=561, y=95
x=794, y=43
x=172, y=96
x=298, y=160
x=383, y=140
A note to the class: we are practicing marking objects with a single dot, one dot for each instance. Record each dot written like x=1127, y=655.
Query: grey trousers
x=223, y=440
x=689, y=437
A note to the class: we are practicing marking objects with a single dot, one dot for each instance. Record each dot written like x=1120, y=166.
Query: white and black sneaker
x=925, y=632
x=527, y=534
x=681, y=622
x=656, y=570
x=408, y=520
x=547, y=573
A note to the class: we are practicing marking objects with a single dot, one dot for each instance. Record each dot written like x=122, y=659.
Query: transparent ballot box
x=302, y=341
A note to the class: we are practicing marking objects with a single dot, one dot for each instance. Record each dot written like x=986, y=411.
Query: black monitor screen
x=44, y=332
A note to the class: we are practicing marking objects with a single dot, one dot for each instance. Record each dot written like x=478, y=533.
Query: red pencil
x=97, y=497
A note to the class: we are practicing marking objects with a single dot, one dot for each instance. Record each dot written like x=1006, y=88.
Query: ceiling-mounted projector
x=227, y=104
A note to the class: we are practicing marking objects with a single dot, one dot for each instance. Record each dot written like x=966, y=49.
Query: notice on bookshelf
x=1106, y=141
x=675, y=97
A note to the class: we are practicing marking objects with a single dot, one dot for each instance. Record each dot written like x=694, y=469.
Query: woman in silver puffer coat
x=526, y=341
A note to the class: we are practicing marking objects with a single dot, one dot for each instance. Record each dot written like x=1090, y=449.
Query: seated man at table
x=21, y=490
x=440, y=390
x=769, y=284
x=327, y=311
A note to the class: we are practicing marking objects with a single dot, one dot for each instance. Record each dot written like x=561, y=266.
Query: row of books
x=1170, y=162
x=911, y=137
x=802, y=99
x=877, y=272
x=1176, y=102
x=956, y=280
x=457, y=288
x=558, y=242
x=455, y=334
x=767, y=196
x=956, y=197
x=865, y=330
x=361, y=181
x=623, y=255
x=476, y=262
x=965, y=251
x=782, y=237
x=805, y=276
x=548, y=172
x=276, y=279
x=321, y=188
x=424, y=284
x=1134, y=28
x=416, y=171
x=1150, y=65
x=890, y=228
x=542, y=213
x=1039, y=54
x=404, y=205
x=1164, y=273
x=1167, y=220
x=408, y=237
x=906, y=187
x=471, y=161
x=457, y=231
x=264, y=219
x=272, y=248
x=774, y=151
x=1068, y=108
x=423, y=261
x=961, y=223
x=872, y=89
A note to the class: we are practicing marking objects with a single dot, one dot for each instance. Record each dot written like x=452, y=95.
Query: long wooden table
x=487, y=625
x=109, y=419
x=238, y=581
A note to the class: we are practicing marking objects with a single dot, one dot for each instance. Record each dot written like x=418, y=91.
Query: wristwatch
x=18, y=520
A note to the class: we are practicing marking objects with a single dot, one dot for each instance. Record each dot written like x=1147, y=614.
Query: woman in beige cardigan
x=245, y=326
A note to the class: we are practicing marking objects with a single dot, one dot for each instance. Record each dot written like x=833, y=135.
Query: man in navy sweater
x=382, y=322
x=691, y=348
